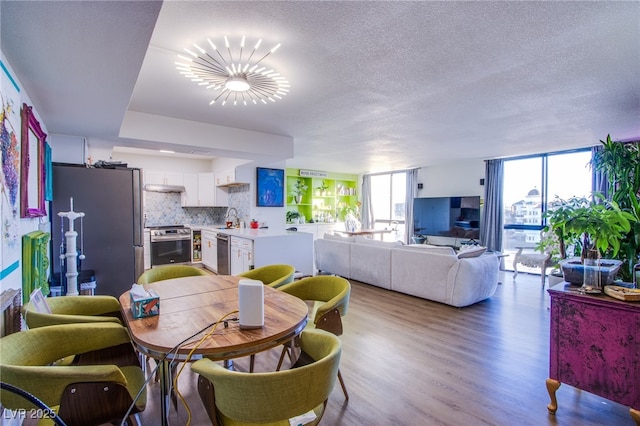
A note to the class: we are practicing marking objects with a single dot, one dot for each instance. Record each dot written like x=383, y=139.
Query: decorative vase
x=351, y=224
x=591, y=275
x=297, y=199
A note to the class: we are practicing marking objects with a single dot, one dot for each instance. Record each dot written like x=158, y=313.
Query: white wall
x=460, y=178
x=12, y=276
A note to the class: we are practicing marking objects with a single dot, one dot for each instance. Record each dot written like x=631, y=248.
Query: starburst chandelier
x=239, y=79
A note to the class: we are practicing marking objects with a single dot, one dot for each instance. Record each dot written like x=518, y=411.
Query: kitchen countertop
x=249, y=233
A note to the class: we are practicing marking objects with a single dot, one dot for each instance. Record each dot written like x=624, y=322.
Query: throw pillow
x=471, y=251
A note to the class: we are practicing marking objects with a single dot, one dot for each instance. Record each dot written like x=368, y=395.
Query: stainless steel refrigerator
x=110, y=235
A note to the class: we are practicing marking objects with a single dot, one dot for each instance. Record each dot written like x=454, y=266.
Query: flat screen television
x=457, y=217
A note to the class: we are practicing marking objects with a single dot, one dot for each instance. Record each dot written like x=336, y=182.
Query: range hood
x=153, y=187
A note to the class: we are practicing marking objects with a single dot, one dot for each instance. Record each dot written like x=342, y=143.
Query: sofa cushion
x=432, y=249
x=365, y=240
x=339, y=237
x=471, y=251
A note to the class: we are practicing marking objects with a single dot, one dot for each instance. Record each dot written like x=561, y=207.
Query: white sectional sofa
x=430, y=272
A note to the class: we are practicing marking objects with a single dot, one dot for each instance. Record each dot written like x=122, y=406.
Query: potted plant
x=298, y=189
x=620, y=163
x=293, y=216
x=594, y=228
x=322, y=189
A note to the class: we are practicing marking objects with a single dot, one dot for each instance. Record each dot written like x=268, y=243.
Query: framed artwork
x=10, y=175
x=32, y=186
x=269, y=187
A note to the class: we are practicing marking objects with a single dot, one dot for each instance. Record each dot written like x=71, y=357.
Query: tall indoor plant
x=620, y=163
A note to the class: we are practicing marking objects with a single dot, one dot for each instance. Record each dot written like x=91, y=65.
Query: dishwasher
x=223, y=245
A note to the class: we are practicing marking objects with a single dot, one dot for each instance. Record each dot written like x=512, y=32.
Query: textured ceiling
x=374, y=85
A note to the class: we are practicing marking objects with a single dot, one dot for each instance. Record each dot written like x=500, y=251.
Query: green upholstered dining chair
x=77, y=310
x=329, y=295
x=271, y=275
x=243, y=399
x=73, y=310
x=87, y=392
x=167, y=272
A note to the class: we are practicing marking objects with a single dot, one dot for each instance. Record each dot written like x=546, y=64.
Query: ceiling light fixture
x=238, y=78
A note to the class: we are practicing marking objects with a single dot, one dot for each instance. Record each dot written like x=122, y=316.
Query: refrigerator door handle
x=138, y=252
x=138, y=209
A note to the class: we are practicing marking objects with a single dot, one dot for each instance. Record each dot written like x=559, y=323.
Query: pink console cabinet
x=595, y=346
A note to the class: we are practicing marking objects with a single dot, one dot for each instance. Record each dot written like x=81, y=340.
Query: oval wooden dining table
x=190, y=305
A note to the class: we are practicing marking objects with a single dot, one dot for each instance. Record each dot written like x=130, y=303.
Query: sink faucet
x=234, y=211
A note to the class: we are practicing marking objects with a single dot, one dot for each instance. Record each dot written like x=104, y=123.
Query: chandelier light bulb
x=234, y=72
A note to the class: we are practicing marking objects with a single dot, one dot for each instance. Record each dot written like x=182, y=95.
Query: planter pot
x=297, y=199
x=574, y=271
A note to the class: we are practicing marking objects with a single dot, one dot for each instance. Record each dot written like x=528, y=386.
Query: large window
x=388, y=198
x=531, y=184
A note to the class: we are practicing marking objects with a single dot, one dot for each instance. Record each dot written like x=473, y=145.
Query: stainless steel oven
x=170, y=244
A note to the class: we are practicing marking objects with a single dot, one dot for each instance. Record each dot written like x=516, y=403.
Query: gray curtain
x=491, y=230
x=411, y=193
x=367, y=218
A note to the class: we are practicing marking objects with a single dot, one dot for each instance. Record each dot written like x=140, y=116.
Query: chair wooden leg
x=344, y=388
x=284, y=350
x=252, y=360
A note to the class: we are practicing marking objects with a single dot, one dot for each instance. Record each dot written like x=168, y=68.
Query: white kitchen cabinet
x=189, y=197
x=159, y=177
x=317, y=229
x=206, y=189
x=229, y=178
x=201, y=191
x=241, y=255
x=209, y=250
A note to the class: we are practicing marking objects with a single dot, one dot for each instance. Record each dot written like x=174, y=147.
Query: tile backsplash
x=164, y=208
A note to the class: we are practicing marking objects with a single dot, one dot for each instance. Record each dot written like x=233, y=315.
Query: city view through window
x=524, y=194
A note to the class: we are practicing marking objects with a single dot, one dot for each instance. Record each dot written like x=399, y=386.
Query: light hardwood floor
x=408, y=361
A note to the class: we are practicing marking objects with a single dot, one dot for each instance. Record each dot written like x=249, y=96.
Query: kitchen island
x=252, y=248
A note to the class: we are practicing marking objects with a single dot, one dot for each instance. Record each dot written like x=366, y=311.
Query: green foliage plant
x=292, y=214
x=595, y=227
x=620, y=162
x=299, y=188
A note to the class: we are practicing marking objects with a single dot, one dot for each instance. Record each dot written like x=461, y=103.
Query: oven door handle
x=170, y=238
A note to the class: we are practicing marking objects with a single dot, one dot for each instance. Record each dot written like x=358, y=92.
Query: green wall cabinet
x=325, y=199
